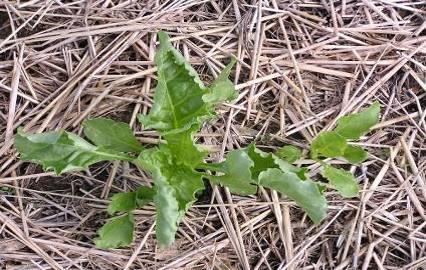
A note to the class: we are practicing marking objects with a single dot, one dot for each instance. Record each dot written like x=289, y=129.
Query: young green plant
x=182, y=103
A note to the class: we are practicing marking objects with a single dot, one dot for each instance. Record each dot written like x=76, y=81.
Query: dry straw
x=302, y=64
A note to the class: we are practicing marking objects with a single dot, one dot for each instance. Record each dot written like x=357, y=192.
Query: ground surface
x=302, y=64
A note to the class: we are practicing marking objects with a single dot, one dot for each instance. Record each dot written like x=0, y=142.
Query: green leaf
x=183, y=148
x=116, y=233
x=263, y=161
x=167, y=210
x=127, y=201
x=121, y=202
x=355, y=125
x=178, y=102
x=304, y=192
x=144, y=195
x=181, y=100
x=328, y=144
x=184, y=180
x=355, y=154
x=62, y=151
x=236, y=173
x=343, y=181
x=289, y=152
x=112, y=135
x=176, y=186
x=222, y=88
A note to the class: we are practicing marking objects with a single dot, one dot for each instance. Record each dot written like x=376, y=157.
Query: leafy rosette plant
x=182, y=103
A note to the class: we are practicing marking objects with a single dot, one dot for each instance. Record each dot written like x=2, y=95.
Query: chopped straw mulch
x=301, y=65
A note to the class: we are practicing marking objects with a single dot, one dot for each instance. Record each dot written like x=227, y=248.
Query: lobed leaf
x=118, y=232
x=343, y=181
x=305, y=193
x=355, y=125
x=62, y=151
x=112, y=135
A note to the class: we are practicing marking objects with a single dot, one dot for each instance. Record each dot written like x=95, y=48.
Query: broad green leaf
x=176, y=186
x=183, y=148
x=355, y=125
x=178, y=100
x=328, y=144
x=289, y=152
x=343, y=181
x=127, y=201
x=236, y=173
x=222, y=88
x=112, y=135
x=304, y=192
x=355, y=154
x=62, y=151
x=181, y=100
x=116, y=233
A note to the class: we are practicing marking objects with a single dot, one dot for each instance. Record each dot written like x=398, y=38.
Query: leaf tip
x=163, y=38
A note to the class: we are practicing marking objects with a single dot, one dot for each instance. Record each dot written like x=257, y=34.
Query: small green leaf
x=116, y=233
x=304, y=192
x=128, y=201
x=328, y=144
x=355, y=125
x=121, y=202
x=343, y=181
x=263, y=161
x=355, y=154
x=62, y=151
x=236, y=173
x=289, y=152
x=222, y=88
x=112, y=135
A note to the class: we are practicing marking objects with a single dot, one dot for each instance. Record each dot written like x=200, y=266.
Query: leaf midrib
x=169, y=98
